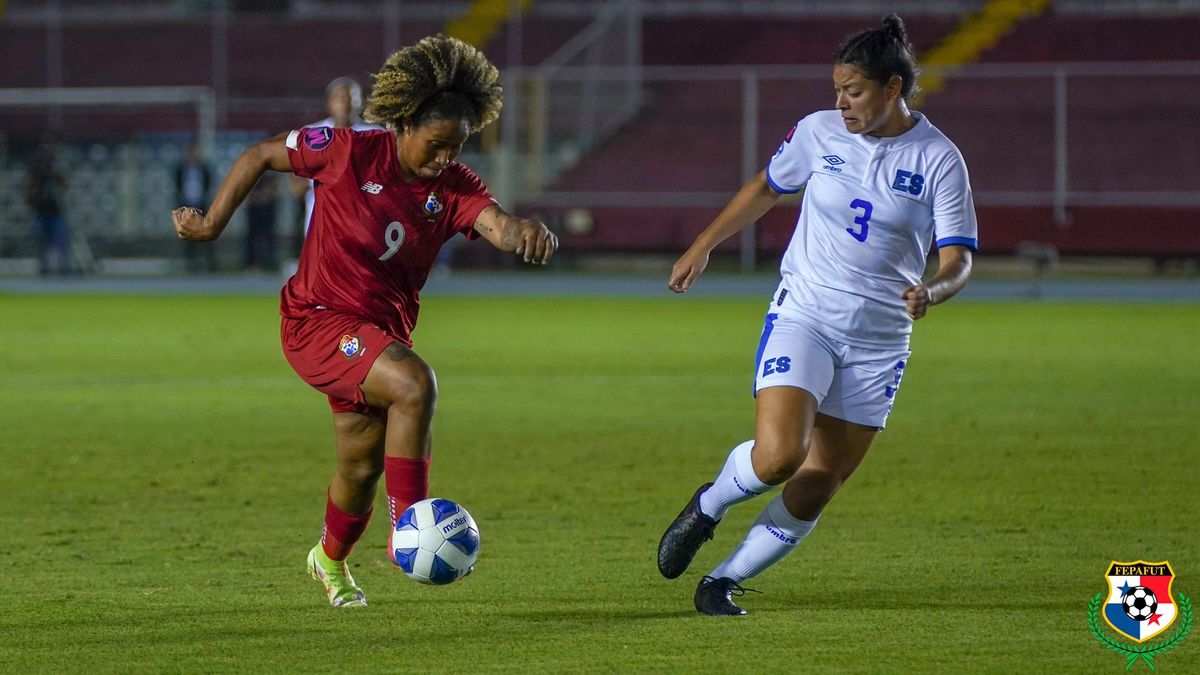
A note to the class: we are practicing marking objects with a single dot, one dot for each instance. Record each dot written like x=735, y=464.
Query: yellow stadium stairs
x=482, y=20
x=975, y=34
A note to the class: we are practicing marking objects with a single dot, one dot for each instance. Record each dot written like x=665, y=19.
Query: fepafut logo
x=1138, y=606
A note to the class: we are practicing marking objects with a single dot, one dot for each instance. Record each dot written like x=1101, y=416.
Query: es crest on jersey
x=434, y=204
x=350, y=346
x=318, y=138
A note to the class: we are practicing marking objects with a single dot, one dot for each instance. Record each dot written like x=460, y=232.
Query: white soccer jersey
x=872, y=209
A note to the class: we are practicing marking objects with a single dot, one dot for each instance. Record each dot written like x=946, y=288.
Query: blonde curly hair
x=437, y=78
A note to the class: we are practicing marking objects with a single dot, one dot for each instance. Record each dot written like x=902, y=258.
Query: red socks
x=407, y=483
x=342, y=530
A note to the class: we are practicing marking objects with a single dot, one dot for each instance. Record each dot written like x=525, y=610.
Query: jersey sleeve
x=320, y=153
x=954, y=208
x=471, y=197
x=791, y=167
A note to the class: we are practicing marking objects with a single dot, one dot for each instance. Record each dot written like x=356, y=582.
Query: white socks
x=773, y=535
x=735, y=484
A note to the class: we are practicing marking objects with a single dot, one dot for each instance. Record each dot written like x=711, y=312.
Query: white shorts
x=850, y=383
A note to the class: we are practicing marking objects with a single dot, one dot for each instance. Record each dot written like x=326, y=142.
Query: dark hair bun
x=893, y=26
x=881, y=53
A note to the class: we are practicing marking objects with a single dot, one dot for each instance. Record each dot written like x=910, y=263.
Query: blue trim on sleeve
x=970, y=243
x=775, y=186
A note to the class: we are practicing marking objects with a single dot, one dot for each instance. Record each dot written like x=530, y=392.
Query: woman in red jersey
x=386, y=201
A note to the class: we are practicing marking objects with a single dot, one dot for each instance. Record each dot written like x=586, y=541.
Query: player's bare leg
x=404, y=386
x=783, y=430
x=784, y=421
x=837, y=449
x=359, y=440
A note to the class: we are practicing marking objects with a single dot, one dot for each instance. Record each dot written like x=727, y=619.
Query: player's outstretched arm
x=195, y=225
x=530, y=239
x=954, y=268
x=754, y=199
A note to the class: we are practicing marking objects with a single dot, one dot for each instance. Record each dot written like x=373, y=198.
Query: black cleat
x=713, y=596
x=684, y=537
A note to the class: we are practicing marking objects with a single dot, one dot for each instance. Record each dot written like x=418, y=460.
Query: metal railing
x=1064, y=97
x=1061, y=136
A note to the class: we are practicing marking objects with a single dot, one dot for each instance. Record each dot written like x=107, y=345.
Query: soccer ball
x=1139, y=603
x=435, y=542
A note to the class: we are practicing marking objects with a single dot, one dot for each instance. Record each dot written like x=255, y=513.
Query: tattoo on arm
x=398, y=352
x=511, y=236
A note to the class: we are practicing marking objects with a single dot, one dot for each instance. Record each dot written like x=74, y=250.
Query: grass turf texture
x=164, y=477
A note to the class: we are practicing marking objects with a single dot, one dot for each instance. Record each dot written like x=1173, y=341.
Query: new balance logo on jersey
x=833, y=161
x=373, y=188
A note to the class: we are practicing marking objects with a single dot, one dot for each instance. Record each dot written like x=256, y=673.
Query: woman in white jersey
x=881, y=187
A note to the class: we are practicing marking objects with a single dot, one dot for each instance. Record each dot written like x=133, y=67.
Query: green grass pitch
x=164, y=474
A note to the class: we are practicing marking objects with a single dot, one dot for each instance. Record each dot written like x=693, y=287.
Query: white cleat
x=335, y=577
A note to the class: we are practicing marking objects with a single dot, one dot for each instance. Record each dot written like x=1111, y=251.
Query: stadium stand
x=686, y=136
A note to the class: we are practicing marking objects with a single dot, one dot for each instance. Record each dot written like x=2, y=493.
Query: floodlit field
x=164, y=474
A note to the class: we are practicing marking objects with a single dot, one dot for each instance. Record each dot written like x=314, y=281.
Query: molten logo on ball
x=435, y=542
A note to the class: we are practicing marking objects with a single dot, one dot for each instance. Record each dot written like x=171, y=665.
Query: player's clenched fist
x=189, y=224
x=537, y=243
x=917, y=300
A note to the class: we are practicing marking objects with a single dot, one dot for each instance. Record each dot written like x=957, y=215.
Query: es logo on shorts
x=350, y=346
x=777, y=365
x=890, y=390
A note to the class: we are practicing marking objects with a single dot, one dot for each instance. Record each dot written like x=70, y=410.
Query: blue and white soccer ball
x=435, y=542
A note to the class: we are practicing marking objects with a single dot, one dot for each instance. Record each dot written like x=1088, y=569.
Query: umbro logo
x=834, y=159
x=373, y=188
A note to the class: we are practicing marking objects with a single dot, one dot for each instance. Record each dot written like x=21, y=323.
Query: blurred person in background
x=193, y=180
x=881, y=186
x=386, y=202
x=343, y=103
x=259, y=251
x=46, y=193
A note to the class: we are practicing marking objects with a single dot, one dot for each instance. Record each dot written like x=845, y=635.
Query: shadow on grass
x=606, y=616
x=910, y=598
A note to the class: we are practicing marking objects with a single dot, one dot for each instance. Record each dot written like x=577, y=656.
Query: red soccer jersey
x=373, y=237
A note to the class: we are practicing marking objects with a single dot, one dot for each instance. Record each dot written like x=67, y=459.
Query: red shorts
x=333, y=352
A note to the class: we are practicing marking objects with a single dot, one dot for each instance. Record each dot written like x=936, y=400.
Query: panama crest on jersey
x=434, y=204
x=350, y=346
x=1140, y=604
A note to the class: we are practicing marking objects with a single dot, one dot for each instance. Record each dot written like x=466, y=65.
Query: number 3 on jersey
x=863, y=220
x=393, y=237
